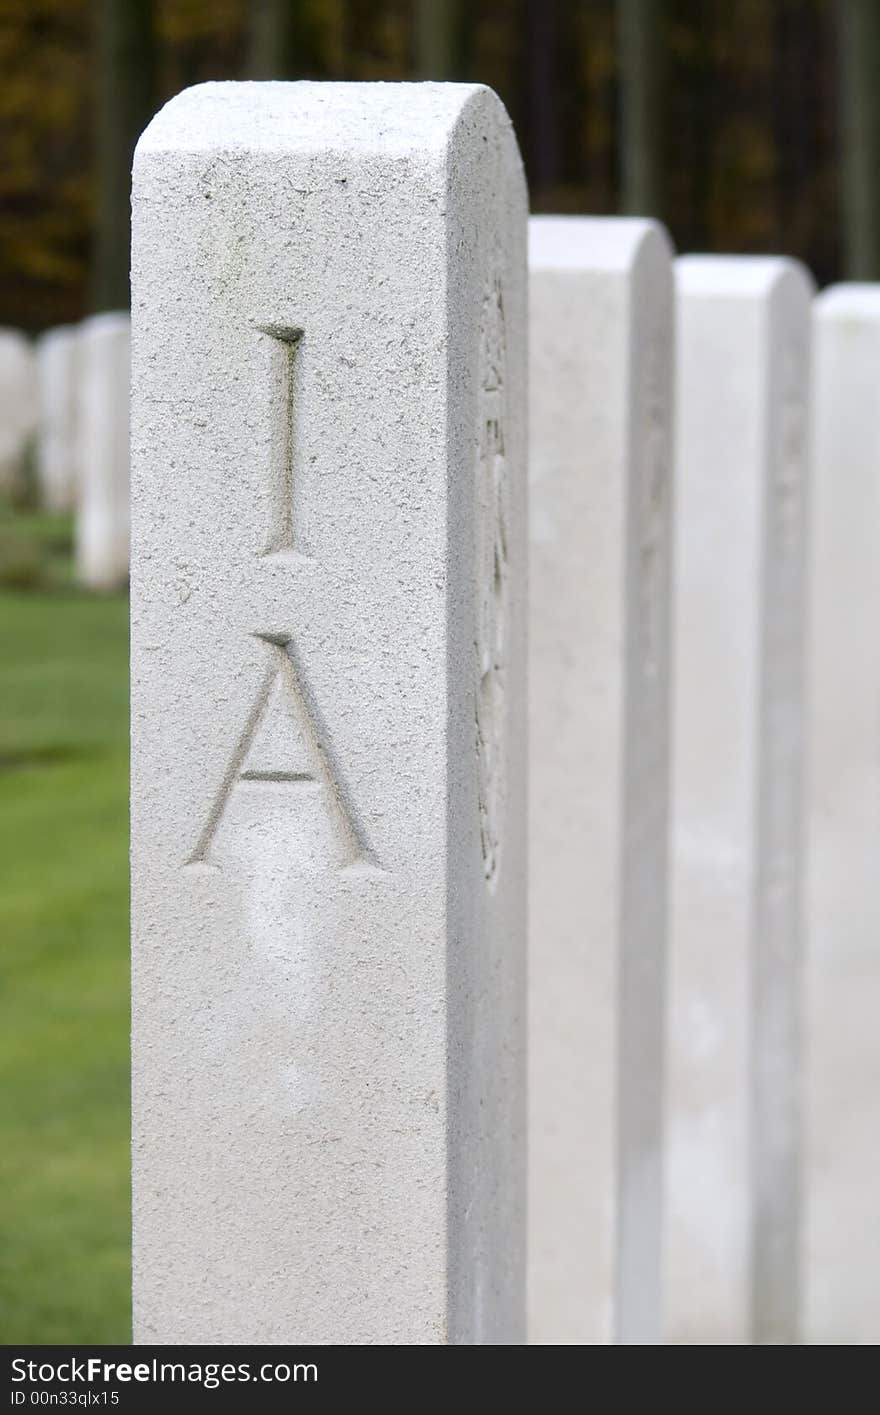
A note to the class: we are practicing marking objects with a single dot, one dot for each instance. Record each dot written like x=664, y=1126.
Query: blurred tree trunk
x=542, y=79
x=858, y=30
x=271, y=53
x=641, y=38
x=281, y=43
x=438, y=39
x=125, y=106
x=794, y=40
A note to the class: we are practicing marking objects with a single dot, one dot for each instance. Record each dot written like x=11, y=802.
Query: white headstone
x=18, y=406
x=102, y=450
x=601, y=353
x=843, y=974
x=734, y=1114
x=56, y=431
x=329, y=717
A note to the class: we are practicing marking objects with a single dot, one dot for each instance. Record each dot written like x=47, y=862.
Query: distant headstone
x=842, y=1275
x=56, y=354
x=102, y=450
x=18, y=407
x=734, y=1109
x=602, y=355
x=329, y=717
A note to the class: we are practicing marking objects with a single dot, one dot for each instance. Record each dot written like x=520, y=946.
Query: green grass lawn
x=64, y=1167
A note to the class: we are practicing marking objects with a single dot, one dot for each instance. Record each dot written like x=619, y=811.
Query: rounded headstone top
x=592, y=242
x=744, y=276
x=314, y=116
x=852, y=299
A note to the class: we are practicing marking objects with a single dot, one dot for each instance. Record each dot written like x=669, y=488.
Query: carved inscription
x=284, y=746
x=283, y=793
x=283, y=353
x=491, y=494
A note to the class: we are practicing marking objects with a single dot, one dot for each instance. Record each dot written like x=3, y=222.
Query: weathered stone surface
x=601, y=342
x=329, y=717
x=842, y=1277
x=734, y=1112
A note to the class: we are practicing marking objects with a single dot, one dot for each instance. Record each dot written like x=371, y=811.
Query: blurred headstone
x=18, y=407
x=102, y=450
x=734, y=1109
x=843, y=973
x=602, y=355
x=329, y=717
x=56, y=354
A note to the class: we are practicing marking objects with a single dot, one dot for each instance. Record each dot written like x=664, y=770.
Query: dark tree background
x=125, y=84
x=748, y=126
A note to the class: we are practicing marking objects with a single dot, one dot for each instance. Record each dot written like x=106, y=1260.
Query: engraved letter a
x=282, y=792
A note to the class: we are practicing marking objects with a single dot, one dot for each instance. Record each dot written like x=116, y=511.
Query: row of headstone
x=336, y=975
x=64, y=400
